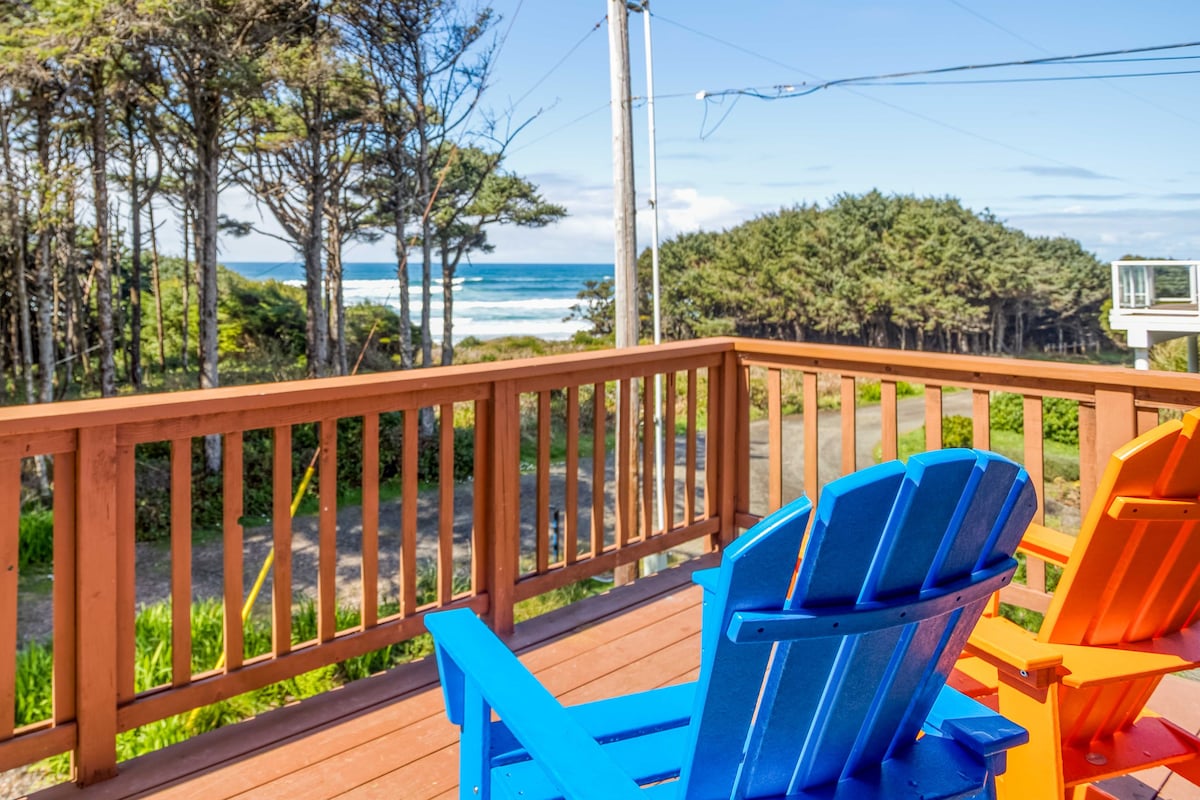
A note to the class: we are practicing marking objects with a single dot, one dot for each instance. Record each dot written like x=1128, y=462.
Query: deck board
x=388, y=737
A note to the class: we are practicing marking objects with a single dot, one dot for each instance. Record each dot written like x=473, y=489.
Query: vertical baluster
x=626, y=470
x=481, y=529
x=370, y=521
x=689, y=500
x=1087, y=454
x=181, y=562
x=981, y=419
x=737, y=382
x=849, y=402
x=599, y=428
x=542, y=476
x=569, y=530
x=327, y=534
x=281, y=525
x=64, y=586
x=668, y=478
x=933, y=417
x=1147, y=419
x=712, y=431
x=126, y=514
x=887, y=411
x=775, y=438
x=10, y=518
x=232, y=514
x=445, y=567
x=812, y=456
x=649, y=477
x=1116, y=408
x=1032, y=414
x=408, y=515
x=723, y=464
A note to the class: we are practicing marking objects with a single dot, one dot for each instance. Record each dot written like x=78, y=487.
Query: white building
x=1154, y=301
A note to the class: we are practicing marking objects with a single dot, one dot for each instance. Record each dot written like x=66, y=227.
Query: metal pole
x=659, y=560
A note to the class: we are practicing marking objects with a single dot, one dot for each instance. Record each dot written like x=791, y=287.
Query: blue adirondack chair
x=820, y=693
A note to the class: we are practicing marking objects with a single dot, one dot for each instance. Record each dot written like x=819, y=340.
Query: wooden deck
x=388, y=737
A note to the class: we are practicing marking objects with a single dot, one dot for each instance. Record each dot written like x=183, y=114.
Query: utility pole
x=625, y=271
x=625, y=241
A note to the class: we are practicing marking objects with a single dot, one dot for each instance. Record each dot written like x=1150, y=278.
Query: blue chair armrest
x=479, y=673
x=707, y=579
x=973, y=725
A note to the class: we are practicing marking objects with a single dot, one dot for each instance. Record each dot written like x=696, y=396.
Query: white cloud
x=686, y=210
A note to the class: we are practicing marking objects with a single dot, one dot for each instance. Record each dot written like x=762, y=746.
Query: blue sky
x=1114, y=163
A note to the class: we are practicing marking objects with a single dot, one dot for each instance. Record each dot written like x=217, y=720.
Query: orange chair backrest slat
x=1135, y=572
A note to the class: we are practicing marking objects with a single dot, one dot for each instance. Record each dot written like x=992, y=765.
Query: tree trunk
x=101, y=255
x=154, y=277
x=337, y=299
x=44, y=268
x=185, y=287
x=316, y=328
x=448, y=267
x=136, y=202
x=406, y=342
x=207, y=187
x=426, y=261
x=26, y=340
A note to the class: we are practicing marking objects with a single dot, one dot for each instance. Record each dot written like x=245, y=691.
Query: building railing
x=1156, y=287
x=560, y=489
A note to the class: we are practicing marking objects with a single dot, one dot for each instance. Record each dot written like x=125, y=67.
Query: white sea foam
x=477, y=314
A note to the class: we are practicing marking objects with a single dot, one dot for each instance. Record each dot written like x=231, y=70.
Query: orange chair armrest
x=1085, y=665
x=1011, y=648
x=1047, y=544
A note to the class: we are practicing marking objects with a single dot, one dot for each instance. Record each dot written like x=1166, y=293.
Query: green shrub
x=35, y=539
x=957, y=431
x=1060, y=417
x=872, y=391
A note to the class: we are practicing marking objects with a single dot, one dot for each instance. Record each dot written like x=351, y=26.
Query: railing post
x=731, y=466
x=503, y=545
x=95, y=756
x=1115, y=407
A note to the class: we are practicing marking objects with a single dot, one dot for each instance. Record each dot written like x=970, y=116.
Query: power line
x=559, y=63
x=790, y=90
x=880, y=101
x=1116, y=87
x=1043, y=79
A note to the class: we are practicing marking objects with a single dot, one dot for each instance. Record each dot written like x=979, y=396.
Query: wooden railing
x=523, y=524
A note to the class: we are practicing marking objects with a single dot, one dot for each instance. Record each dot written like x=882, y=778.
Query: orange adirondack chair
x=1124, y=615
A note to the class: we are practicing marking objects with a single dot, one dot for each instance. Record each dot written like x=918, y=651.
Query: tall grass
x=152, y=667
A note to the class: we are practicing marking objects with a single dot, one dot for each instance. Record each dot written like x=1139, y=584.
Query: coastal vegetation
x=122, y=127
x=878, y=270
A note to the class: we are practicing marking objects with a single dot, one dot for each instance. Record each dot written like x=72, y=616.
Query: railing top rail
x=34, y=419
x=1071, y=380
x=1137, y=262
x=1012, y=374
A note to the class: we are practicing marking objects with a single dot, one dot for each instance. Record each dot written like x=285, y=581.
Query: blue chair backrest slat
x=834, y=567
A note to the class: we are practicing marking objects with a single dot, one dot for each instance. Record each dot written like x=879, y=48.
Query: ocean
x=490, y=300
